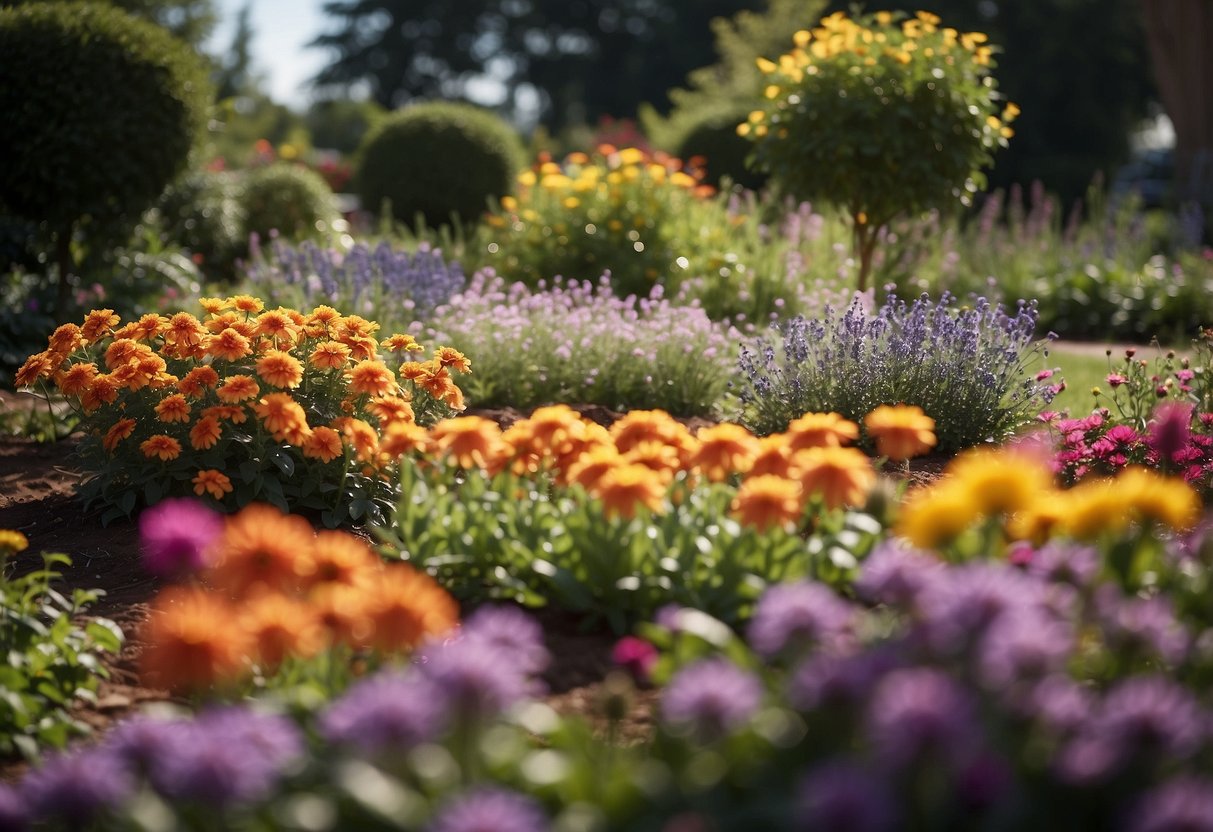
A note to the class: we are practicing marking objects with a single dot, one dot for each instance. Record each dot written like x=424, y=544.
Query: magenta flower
x=636, y=656
x=1170, y=431
x=1116, y=379
x=177, y=537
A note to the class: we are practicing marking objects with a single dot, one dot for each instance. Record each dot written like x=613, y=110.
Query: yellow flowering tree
x=882, y=115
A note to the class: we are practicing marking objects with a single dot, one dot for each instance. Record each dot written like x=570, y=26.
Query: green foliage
x=292, y=200
x=52, y=659
x=341, y=123
x=882, y=116
x=437, y=160
x=712, y=135
x=101, y=112
x=201, y=212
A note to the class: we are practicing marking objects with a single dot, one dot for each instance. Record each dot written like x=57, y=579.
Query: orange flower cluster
x=278, y=590
x=632, y=464
x=180, y=382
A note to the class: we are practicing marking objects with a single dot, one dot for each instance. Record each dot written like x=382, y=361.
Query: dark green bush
x=201, y=213
x=100, y=110
x=438, y=159
x=713, y=135
x=294, y=201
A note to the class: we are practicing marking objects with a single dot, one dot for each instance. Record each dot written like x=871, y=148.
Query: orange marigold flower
x=65, y=340
x=38, y=366
x=391, y=409
x=262, y=548
x=76, y=379
x=144, y=329
x=416, y=370
x=647, y=425
x=184, y=329
x=360, y=435
x=213, y=482
x=163, y=447
x=103, y=390
x=229, y=345
x=188, y=643
x=773, y=457
x=624, y=488
x=237, y=389
x=278, y=627
x=280, y=369
x=331, y=355
x=470, y=441
x=246, y=303
x=900, y=431
x=121, y=351
x=212, y=306
x=402, y=438
x=593, y=465
x=325, y=315
x=658, y=457
x=767, y=500
x=371, y=378
x=401, y=343
x=277, y=326
x=820, y=430
x=98, y=323
x=220, y=322
x=406, y=607
x=548, y=430
x=341, y=558
x=342, y=611
x=225, y=413
x=283, y=418
x=362, y=347
x=723, y=450
x=205, y=433
x=841, y=476
x=173, y=408
x=354, y=326
x=451, y=357
x=198, y=380
x=323, y=444
x=119, y=431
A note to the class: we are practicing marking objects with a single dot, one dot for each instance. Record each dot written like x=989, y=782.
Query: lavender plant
x=966, y=367
x=398, y=286
x=577, y=342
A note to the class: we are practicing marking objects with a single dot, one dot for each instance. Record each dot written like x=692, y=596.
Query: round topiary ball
x=292, y=200
x=201, y=213
x=438, y=159
x=713, y=135
x=100, y=112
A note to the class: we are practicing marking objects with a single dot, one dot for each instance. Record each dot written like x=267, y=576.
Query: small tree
x=881, y=115
x=100, y=110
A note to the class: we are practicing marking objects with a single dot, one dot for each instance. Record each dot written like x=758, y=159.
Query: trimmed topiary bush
x=100, y=110
x=292, y=200
x=437, y=160
x=201, y=213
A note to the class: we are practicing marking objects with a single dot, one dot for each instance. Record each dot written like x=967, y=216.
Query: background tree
x=575, y=60
x=192, y=21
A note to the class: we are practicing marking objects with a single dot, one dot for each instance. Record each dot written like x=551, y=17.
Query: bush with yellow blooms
x=307, y=411
x=883, y=115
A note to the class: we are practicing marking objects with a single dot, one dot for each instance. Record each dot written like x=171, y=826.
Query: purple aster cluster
x=386, y=713
x=489, y=810
x=361, y=280
x=711, y=699
x=799, y=617
x=176, y=537
x=966, y=367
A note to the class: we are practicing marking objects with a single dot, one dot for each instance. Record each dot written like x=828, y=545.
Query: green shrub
x=436, y=160
x=882, y=115
x=201, y=213
x=101, y=111
x=292, y=200
x=713, y=135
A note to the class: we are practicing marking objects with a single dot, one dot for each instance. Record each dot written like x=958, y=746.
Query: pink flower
x=1043, y=374
x=636, y=656
x=1170, y=431
x=177, y=537
x=1116, y=379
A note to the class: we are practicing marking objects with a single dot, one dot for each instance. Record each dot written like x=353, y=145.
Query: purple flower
x=385, y=712
x=894, y=575
x=921, y=714
x=1021, y=648
x=636, y=656
x=1142, y=626
x=965, y=601
x=833, y=681
x=711, y=698
x=1065, y=563
x=177, y=536
x=843, y=797
x=144, y=742
x=477, y=678
x=13, y=814
x=1060, y=704
x=512, y=630
x=77, y=786
x=489, y=810
x=1181, y=805
x=799, y=617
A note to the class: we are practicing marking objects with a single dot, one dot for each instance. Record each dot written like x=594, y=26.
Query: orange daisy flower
x=98, y=323
x=451, y=357
x=183, y=329
x=228, y=345
x=280, y=369
x=342, y=611
x=220, y=322
x=331, y=355
x=119, y=431
x=341, y=558
x=188, y=643
x=593, y=465
x=724, y=450
x=841, y=476
x=225, y=413
x=205, y=433
x=279, y=627
x=262, y=548
x=650, y=425
x=103, y=390
x=246, y=303
x=371, y=378
x=402, y=438
x=323, y=444
x=210, y=481
x=773, y=457
x=361, y=437
x=401, y=343
x=162, y=447
x=391, y=409
x=173, y=408
x=38, y=366
x=198, y=380
x=470, y=441
x=212, y=306
x=406, y=607
x=767, y=500
x=277, y=326
x=65, y=340
x=658, y=457
x=76, y=379
x=900, y=431
x=283, y=418
x=820, y=430
x=625, y=487
x=416, y=370
x=146, y=328
x=237, y=389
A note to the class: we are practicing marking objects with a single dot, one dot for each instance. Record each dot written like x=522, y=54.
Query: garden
x=596, y=487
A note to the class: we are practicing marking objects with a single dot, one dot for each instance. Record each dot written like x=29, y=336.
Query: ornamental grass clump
x=300, y=410
x=581, y=343
x=965, y=367
x=398, y=285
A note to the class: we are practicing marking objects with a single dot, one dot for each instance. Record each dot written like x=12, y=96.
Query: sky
x=281, y=28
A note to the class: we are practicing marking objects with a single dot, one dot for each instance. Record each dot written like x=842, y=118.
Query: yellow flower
x=1158, y=499
x=212, y=482
x=401, y=343
x=12, y=542
x=934, y=517
x=900, y=431
x=1000, y=481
